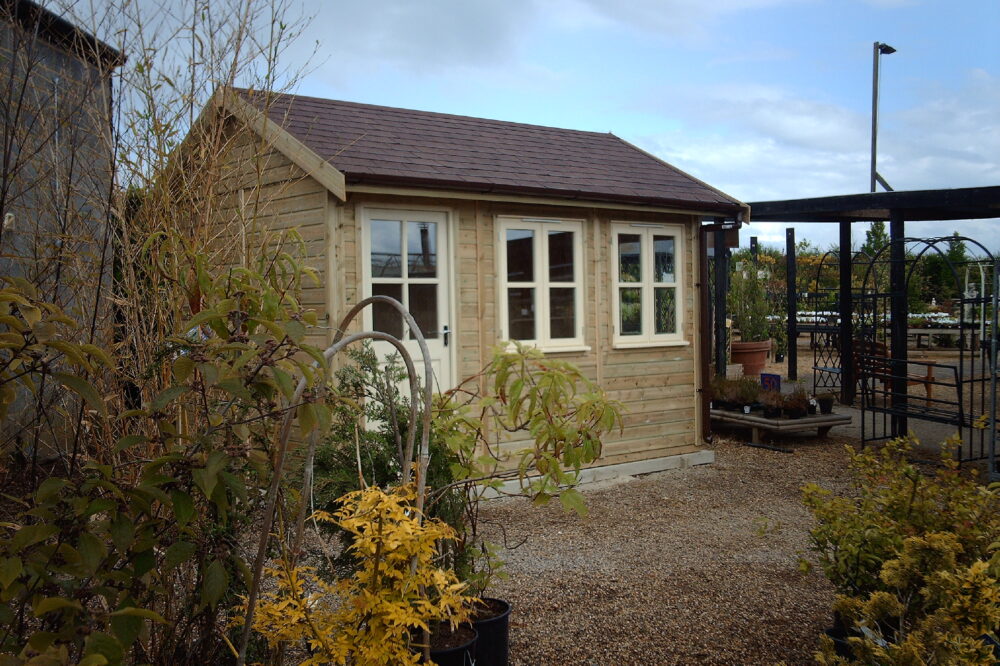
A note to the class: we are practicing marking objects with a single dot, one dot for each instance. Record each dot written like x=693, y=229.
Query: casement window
x=541, y=282
x=648, y=297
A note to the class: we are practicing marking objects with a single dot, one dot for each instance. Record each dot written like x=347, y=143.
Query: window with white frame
x=541, y=281
x=647, y=296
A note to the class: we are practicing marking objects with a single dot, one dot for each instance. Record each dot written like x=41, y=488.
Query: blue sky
x=765, y=99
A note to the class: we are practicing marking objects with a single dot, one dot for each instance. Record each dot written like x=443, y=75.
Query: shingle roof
x=390, y=146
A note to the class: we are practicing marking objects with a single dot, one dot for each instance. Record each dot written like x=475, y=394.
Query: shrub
x=913, y=557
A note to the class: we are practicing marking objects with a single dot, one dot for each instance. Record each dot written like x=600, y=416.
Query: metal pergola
x=896, y=208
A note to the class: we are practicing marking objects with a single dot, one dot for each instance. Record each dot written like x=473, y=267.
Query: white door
x=406, y=257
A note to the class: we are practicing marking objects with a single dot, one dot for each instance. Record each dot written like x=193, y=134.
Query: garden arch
x=958, y=391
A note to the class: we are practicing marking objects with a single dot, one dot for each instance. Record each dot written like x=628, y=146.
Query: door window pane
x=520, y=255
x=630, y=307
x=421, y=249
x=561, y=256
x=387, y=243
x=521, y=313
x=562, y=312
x=665, y=309
x=423, y=306
x=663, y=258
x=386, y=318
x=629, y=258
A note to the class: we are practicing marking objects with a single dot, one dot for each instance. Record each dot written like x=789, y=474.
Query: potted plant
x=796, y=403
x=780, y=336
x=826, y=401
x=747, y=390
x=749, y=309
x=773, y=402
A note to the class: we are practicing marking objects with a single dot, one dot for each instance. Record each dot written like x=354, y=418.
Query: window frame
x=541, y=282
x=647, y=284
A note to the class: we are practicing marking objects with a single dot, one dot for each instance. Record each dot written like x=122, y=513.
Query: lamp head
x=884, y=49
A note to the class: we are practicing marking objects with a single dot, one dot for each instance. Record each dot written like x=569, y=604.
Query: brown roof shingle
x=383, y=145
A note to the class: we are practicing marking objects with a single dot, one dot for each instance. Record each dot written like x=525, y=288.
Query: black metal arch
x=960, y=392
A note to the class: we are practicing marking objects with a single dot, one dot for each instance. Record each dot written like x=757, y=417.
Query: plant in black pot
x=826, y=401
x=772, y=402
x=796, y=403
x=747, y=391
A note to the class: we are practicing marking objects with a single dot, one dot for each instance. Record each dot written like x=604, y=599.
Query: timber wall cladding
x=655, y=384
x=264, y=190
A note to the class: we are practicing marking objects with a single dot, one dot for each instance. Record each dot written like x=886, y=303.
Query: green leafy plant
x=913, y=557
x=748, y=306
x=134, y=552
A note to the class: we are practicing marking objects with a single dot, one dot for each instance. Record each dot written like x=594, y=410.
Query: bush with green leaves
x=913, y=556
x=134, y=551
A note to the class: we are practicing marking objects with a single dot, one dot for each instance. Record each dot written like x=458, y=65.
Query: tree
x=875, y=238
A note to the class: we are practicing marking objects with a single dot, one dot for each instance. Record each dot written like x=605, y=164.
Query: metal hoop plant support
x=340, y=342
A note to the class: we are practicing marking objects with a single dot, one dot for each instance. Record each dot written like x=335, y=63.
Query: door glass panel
x=386, y=318
x=630, y=311
x=562, y=312
x=421, y=249
x=423, y=306
x=561, y=256
x=387, y=243
x=663, y=258
x=521, y=312
x=629, y=258
x=665, y=309
x=520, y=255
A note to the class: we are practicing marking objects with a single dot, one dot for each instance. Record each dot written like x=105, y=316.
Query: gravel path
x=691, y=566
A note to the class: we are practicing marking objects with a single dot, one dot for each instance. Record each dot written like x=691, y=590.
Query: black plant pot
x=811, y=409
x=795, y=413
x=825, y=405
x=492, y=647
x=779, y=357
x=462, y=654
x=772, y=412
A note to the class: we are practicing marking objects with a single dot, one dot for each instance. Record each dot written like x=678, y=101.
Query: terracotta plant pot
x=753, y=356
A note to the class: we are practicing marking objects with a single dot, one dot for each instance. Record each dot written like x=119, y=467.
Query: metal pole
x=875, y=58
x=898, y=312
x=792, y=305
x=754, y=250
x=848, y=380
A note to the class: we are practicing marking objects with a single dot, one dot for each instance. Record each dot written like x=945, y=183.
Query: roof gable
x=389, y=146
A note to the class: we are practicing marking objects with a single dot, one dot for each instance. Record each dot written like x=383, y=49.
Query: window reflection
x=629, y=258
x=386, y=247
x=663, y=258
x=520, y=255
x=421, y=249
x=561, y=256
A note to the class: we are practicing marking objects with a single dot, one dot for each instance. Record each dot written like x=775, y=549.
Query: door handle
x=445, y=332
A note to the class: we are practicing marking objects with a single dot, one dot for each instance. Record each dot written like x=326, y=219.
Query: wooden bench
x=874, y=356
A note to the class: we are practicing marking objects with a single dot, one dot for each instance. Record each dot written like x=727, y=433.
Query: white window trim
x=541, y=282
x=646, y=231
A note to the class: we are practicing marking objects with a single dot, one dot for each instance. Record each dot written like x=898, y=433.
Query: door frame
x=363, y=217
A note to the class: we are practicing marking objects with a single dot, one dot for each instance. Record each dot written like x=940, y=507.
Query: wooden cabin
x=576, y=242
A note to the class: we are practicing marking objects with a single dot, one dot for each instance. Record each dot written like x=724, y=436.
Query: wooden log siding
x=656, y=385
x=263, y=189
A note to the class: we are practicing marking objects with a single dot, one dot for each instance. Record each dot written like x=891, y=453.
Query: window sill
x=646, y=344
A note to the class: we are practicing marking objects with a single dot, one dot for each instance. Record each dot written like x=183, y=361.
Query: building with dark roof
x=576, y=242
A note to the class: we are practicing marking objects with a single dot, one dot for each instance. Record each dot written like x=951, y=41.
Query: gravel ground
x=690, y=566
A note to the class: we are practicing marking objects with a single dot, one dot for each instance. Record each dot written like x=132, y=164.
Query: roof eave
x=713, y=208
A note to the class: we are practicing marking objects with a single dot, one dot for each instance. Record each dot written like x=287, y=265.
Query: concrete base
x=623, y=471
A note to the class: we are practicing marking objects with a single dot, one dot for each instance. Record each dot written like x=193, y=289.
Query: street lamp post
x=878, y=49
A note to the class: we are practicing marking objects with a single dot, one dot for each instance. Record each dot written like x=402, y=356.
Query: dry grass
x=692, y=566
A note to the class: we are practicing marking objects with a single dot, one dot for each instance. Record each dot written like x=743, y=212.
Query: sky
x=764, y=99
